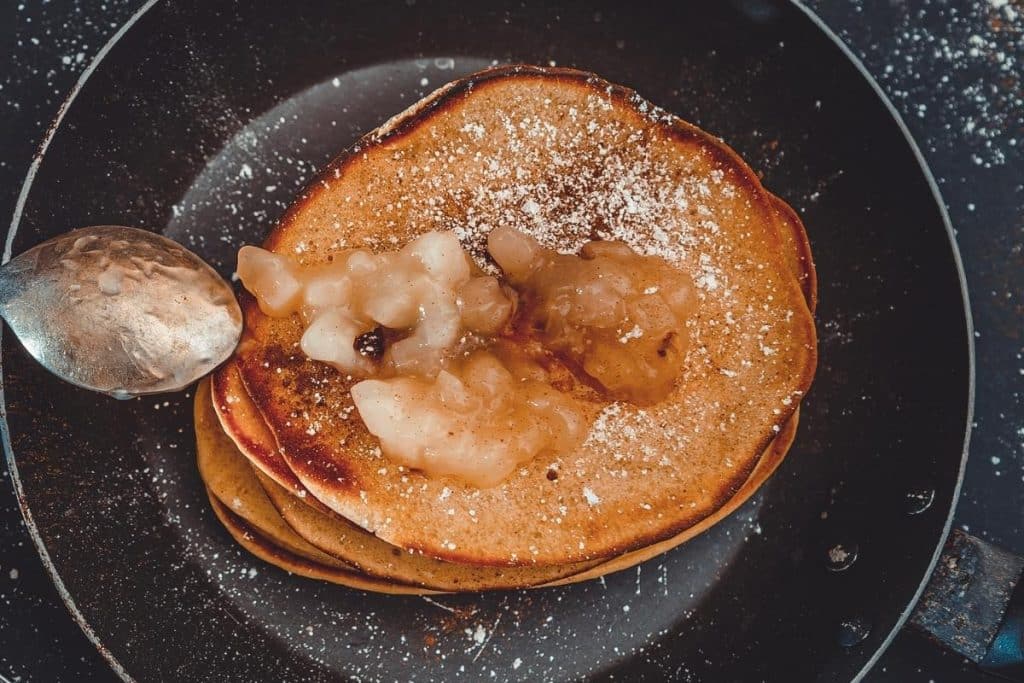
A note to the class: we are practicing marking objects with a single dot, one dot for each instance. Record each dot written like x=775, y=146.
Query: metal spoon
x=120, y=310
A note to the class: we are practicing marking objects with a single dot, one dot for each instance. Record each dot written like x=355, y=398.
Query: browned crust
x=252, y=436
x=244, y=433
x=228, y=475
x=446, y=98
x=316, y=463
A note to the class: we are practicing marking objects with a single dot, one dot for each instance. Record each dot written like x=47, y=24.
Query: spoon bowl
x=120, y=310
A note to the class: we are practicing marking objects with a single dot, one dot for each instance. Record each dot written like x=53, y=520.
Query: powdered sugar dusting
x=629, y=191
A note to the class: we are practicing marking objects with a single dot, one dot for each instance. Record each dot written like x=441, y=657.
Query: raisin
x=371, y=344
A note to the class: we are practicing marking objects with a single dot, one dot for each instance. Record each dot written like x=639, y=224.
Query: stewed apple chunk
x=618, y=316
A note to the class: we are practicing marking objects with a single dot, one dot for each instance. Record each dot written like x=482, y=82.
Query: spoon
x=120, y=310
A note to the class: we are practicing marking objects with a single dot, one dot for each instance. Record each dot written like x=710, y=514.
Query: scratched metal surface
x=966, y=128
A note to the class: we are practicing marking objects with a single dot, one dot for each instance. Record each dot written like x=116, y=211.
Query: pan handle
x=974, y=605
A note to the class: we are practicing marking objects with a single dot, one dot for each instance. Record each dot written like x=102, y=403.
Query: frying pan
x=203, y=119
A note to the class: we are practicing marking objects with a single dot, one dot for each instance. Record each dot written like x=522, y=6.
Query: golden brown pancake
x=561, y=155
x=223, y=466
x=251, y=539
x=237, y=480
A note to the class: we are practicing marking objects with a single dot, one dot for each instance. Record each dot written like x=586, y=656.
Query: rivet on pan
x=841, y=556
x=853, y=631
x=919, y=499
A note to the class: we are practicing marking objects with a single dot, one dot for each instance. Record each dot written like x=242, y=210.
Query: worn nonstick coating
x=204, y=118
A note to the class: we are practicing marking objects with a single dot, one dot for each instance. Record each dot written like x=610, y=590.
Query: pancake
x=236, y=480
x=230, y=478
x=597, y=159
x=257, y=544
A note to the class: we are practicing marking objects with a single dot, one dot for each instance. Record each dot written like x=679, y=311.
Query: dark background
x=953, y=70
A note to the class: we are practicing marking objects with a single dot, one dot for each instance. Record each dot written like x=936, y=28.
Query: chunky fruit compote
x=449, y=360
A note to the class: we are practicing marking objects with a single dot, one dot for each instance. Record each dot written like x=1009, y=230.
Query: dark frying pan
x=202, y=120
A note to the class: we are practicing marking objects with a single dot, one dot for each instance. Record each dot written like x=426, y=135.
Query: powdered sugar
x=629, y=192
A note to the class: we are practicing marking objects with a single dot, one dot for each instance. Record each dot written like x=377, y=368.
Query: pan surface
x=202, y=120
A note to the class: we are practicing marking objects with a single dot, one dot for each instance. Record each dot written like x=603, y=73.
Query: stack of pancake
x=566, y=157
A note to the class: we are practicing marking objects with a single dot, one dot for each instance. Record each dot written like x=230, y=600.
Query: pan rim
x=5, y=434
x=965, y=304
x=40, y=153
